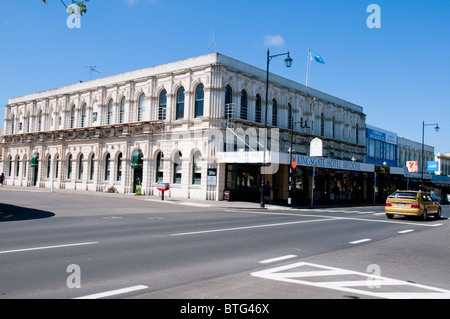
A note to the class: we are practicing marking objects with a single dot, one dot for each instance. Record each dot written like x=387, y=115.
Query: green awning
x=35, y=160
x=137, y=159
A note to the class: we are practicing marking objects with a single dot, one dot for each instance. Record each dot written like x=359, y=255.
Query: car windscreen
x=404, y=194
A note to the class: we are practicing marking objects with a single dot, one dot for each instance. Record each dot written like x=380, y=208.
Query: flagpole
x=307, y=66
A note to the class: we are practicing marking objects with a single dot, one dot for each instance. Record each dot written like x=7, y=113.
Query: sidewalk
x=170, y=200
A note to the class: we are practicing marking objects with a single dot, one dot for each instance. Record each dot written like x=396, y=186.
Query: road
x=64, y=245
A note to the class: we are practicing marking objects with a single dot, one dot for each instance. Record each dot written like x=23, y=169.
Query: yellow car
x=412, y=203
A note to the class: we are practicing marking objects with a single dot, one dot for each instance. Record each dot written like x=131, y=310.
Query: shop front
x=327, y=181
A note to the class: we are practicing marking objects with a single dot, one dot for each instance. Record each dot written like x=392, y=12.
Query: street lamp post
x=423, y=143
x=288, y=62
x=303, y=125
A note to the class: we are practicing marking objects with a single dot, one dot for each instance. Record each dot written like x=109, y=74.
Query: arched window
x=244, y=105
x=109, y=113
x=69, y=167
x=160, y=167
x=40, y=121
x=56, y=166
x=72, y=117
x=49, y=166
x=92, y=167
x=228, y=102
x=290, y=120
x=199, y=100
x=27, y=119
x=107, y=167
x=80, y=167
x=322, y=124
x=24, y=173
x=180, y=104
x=141, y=107
x=122, y=110
x=119, y=168
x=83, y=115
x=13, y=122
x=196, y=168
x=274, y=113
x=17, y=166
x=333, y=128
x=258, y=109
x=177, y=173
x=162, y=105
x=9, y=165
x=357, y=134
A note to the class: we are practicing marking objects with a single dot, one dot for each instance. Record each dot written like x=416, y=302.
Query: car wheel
x=438, y=214
x=424, y=215
x=390, y=216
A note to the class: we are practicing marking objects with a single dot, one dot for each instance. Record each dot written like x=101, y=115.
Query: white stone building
x=168, y=124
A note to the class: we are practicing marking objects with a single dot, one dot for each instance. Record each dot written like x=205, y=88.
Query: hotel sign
x=283, y=158
x=332, y=163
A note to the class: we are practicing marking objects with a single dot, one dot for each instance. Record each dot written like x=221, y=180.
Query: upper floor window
x=244, y=105
x=109, y=114
x=83, y=115
x=72, y=117
x=199, y=100
x=162, y=105
x=228, y=102
x=258, y=108
x=40, y=120
x=141, y=107
x=322, y=124
x=122, y=110
x=274, y=113
x=290, y=120
x=179, y=112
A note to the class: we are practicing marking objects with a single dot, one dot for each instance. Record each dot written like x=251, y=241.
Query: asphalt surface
x=78, y=245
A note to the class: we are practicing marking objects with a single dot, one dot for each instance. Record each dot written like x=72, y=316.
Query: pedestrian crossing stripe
x=349, y=281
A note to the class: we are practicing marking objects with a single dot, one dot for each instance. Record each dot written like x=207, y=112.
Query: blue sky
x=399, y=73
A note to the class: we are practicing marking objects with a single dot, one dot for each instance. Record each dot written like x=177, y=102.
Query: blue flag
x=317, y=58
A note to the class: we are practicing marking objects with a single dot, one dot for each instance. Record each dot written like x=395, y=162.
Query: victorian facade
x=177, y=123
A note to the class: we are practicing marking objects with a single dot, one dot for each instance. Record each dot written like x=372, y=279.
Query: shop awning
x=136, y=159
x=35, y=160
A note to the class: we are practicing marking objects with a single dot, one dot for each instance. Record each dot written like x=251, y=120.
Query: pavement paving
x=170, y=200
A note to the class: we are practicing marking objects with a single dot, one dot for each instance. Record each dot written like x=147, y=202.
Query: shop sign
x=412, y=166
x=316, y=148
x=212, y=177
x=332, y=163
x=432, y=166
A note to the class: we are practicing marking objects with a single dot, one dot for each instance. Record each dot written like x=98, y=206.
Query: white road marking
x=47, y=247
x=272, y=260
x=405, y=231
x=114, y=292
x=363, y=284
x=250, y=227
x=360, y=241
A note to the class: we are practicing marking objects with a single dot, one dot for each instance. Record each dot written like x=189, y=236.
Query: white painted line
x=114, y=292
x=406, y=231
x=272, y=260
x=360, y=241
x=250, y=227
x=47, y=247
x=300, y=273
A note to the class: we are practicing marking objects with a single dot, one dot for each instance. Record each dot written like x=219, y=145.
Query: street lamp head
x=437, y=128
x=288, y=61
